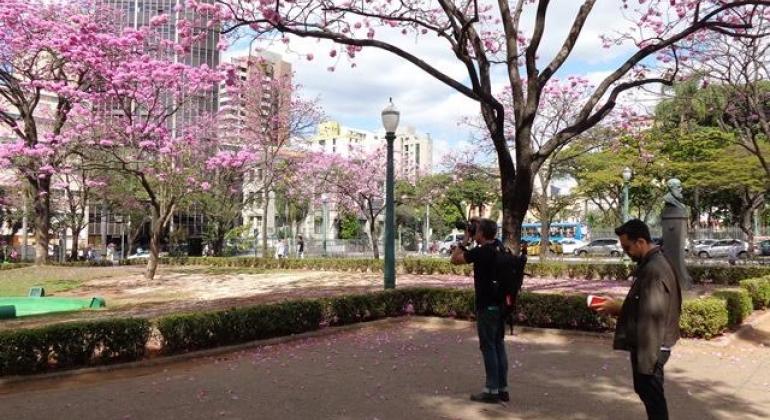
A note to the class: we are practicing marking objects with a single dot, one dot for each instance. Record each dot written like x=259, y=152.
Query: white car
x=569, y=245
x=445, y=246
x=138, y=255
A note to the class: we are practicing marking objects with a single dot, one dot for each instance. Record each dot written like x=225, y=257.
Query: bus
x=530, y=232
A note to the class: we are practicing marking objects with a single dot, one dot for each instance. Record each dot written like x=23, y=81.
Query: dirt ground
x=178, y=289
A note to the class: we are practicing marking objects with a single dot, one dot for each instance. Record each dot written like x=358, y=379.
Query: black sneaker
x=504, y=396
x=485, y=397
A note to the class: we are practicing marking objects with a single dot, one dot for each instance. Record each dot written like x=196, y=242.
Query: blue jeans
x=491, y=328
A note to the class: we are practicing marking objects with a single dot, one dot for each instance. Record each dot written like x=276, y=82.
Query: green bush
x=759, y=290
x=183, y=333
x=703, y=318
x=63, y=346
x=725, y=275
x=739, y=304
x=565, y=311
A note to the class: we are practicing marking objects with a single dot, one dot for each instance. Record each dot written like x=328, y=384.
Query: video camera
x=469, y=226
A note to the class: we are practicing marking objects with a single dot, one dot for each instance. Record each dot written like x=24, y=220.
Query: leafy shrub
x=739, y=304
x=76, y=344
x=759, y=290
x=183, y=333
x=565, y=311
x=725, y=275
x=704, y=318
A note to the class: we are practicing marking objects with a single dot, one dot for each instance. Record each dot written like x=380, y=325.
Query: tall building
x=138, y=13
x=244, y=109
x=412, y=153
x=332, y=137
x=412, y=150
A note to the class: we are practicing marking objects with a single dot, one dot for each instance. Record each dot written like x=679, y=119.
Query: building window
x=318, y=225
x=417, y=154
x=322, y=143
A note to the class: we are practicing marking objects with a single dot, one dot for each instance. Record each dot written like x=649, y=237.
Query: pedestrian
x=648, y=319
x=490, y=320
x=300, y=247
x=279, y=249
x=732, y=254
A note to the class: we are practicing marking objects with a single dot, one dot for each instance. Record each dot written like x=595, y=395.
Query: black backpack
x=509, y=276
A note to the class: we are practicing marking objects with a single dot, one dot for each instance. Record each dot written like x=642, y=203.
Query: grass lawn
x=17, y=282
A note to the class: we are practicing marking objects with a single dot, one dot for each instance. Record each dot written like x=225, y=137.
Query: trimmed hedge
x=78, y=344
x=91, y=343
x=703, y=318
x=759, y=290
x=183, y=333
x=739, y=304
x=725, y=275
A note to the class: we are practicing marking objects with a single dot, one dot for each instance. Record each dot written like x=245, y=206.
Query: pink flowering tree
x=149, y=120
x=490, y=38
x=45, y=50
x=355, y=183
x=265, y=122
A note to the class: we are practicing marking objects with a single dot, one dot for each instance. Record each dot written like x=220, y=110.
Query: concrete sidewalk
x=412, y=369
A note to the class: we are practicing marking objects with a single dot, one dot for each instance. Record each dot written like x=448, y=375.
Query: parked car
x=603, y=247
x=139, y=254
x=763, y=248
x=533, y=248
x=701, y=244
x=569, y=245
x=721, y=248
x=449, y=242
x=657, y=240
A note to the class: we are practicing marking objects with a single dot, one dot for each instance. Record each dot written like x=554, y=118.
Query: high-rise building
x=139, y=13
x=412, y=150
x=247, y=107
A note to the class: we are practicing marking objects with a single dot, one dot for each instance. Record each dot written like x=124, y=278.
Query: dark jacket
x=649, y=318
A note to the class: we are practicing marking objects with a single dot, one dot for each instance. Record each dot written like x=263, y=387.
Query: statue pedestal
x=674, y=223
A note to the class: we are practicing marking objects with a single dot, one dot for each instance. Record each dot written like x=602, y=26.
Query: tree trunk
x=75, y=237
x=374, y=239
x=156, y=232
x=41, y=188
x=516, y=186
x=545, y=224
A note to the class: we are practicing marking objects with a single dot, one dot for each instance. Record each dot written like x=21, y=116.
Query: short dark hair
x=488, y=228
x=634, y=229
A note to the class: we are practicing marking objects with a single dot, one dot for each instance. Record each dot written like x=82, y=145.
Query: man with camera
x=490, y=317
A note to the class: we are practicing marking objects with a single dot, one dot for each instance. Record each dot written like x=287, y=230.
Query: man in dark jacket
x=648, y=323
x=490, y=321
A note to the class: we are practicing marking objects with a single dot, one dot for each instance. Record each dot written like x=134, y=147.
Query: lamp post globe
x=390, y=119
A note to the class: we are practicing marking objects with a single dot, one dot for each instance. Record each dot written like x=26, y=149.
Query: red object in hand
x=595, y=301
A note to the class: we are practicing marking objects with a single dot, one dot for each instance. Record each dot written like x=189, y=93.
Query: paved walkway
x=412, y=369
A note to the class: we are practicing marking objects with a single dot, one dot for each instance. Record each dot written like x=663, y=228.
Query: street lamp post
x=325, y=201
x=390, y=117
x=425, y=236
x=626, y=177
